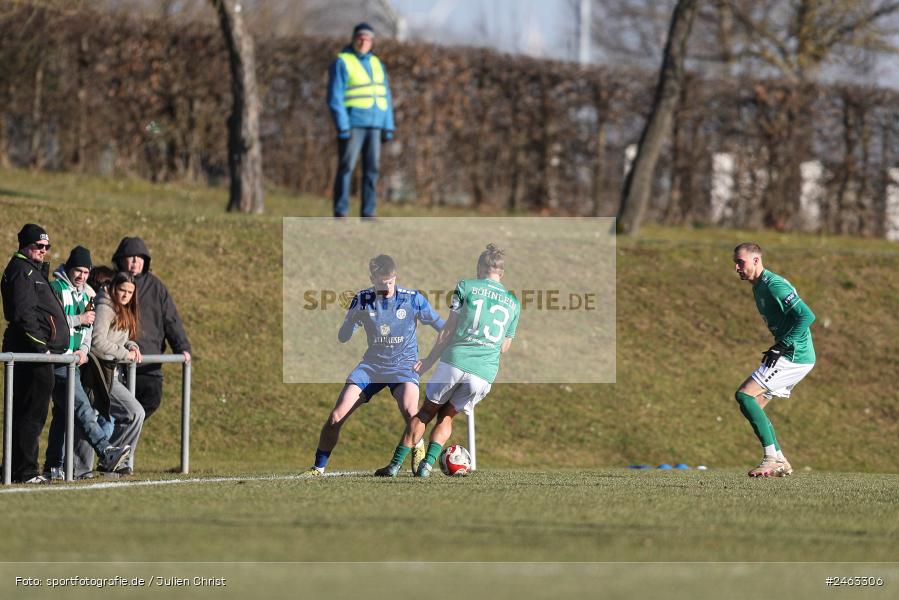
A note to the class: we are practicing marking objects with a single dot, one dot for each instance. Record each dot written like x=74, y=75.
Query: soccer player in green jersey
x=784, y=364
x=482, y=322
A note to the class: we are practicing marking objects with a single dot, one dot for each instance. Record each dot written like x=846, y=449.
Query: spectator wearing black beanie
x=35, y=323
x=32, y=233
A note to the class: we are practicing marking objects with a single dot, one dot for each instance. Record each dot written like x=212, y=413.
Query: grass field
x=687, y=334
x=491, y=517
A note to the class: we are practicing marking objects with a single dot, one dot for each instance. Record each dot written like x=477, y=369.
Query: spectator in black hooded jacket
x=36, y=323
x=159, y=319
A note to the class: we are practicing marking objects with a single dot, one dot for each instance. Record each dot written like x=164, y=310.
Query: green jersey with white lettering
x=488, y=314
x=788, y=318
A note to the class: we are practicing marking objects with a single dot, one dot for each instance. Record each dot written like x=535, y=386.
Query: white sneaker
x=113, y=457
x=418, y=455
x=785, y=468
x=769, y=467
x=55, y=474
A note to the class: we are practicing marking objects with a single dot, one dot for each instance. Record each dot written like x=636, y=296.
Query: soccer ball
x=345, y=299
x=455, y=461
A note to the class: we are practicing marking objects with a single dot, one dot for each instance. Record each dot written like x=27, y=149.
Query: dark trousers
x=149, y=390
x=367, y=141
x=32, y=388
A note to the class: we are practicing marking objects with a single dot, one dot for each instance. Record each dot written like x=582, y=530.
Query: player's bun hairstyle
x=492, y=259
x=750, y=247
x=381, y=265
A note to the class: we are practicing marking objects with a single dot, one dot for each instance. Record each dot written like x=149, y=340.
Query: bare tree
x=34, y=56
x=337, y=17
x=638, y=184
x=244, y=147
x=281, y=17
x=795, y=41
x=796, y=38
x=631, y=32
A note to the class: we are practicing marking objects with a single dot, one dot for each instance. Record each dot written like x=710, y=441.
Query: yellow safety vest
x=361, y=91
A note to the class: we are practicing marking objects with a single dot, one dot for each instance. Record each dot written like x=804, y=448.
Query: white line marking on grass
x=107, y=485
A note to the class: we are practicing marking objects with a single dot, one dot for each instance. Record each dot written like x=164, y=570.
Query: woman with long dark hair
x=116, y=327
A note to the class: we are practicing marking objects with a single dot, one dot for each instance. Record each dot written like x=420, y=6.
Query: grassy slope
x=688, y=333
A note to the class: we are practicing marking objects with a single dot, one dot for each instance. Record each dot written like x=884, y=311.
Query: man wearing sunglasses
x=36, y=322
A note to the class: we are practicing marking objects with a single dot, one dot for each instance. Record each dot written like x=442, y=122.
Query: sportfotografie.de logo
x=530, y=299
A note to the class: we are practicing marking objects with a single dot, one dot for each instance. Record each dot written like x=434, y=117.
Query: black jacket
x=159, y=319
x=37, y=321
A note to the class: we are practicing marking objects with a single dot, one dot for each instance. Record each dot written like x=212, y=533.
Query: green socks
x=433, y=452
x=776, y=444
x=399, y=455
x=761, y=425
x=401, y=452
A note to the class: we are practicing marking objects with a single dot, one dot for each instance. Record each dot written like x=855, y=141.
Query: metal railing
x=10, y=358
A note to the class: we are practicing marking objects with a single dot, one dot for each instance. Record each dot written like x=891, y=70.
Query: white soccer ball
x=455, y=461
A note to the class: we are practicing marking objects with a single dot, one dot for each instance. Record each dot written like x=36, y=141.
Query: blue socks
x=321, y=458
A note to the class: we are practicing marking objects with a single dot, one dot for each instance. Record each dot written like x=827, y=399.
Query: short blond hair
x=750, y=247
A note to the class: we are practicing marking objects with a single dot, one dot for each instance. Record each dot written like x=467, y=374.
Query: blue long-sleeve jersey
x=390, y=325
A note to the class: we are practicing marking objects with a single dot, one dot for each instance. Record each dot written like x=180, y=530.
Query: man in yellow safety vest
x=362, y=109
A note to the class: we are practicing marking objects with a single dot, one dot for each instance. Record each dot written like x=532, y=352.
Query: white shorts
x=780, y=379
x=452, y=384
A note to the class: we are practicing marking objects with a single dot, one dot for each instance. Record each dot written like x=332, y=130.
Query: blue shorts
x=374, y=379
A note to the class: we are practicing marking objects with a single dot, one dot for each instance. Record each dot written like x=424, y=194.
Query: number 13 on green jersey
x=488, y=314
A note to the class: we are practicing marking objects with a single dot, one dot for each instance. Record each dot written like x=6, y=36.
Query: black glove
x=772, y=354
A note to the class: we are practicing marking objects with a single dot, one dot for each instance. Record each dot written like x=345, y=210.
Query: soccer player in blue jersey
x=389, y=315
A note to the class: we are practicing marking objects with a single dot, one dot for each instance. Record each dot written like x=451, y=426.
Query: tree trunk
x=599, y=167
x=547, y=197
x=601, y=105
x=638, y=184
x=865, y=213
x=675, y=211
x=81, y=133
x=244, y=148
x=37, y=110
x=192, y=168
x=4, y=139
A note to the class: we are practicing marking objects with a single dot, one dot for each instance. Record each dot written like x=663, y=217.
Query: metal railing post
x=471, y=447
x=132, y=378
x=70, y=421
x=185, y=417
x=132, y=387
x=7, y=423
